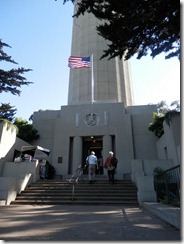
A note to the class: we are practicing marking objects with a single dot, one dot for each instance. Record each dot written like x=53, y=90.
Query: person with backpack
x=111, y=164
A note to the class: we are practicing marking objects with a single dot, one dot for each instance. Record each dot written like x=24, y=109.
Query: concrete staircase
x=52, y=192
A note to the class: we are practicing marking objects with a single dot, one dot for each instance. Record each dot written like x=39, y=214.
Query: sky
x=40, y=34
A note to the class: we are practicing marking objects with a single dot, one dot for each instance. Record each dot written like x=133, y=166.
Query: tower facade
x=107, y=80
x=99, y=116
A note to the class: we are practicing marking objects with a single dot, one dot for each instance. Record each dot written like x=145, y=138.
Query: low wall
x=10, y=187
x=15, y=178
x=170, y=214
x=19, y=170
x=142, y=176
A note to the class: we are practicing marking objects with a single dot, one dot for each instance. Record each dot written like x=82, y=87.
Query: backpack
x=114, y=162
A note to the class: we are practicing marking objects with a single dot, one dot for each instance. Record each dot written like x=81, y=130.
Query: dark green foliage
x=26, y=131
x=164, y=114
x=158, y=170
x=3, y=55
x=157, y=125
x=7, y=111
x=11, y=80
x=136, y=27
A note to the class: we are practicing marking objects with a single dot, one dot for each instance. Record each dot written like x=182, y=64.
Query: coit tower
x=107, y=81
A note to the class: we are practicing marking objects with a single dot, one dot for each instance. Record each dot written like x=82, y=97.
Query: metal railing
x=167, y=185
x=75, y=178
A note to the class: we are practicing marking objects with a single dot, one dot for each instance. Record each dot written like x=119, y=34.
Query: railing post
x=77, y=174
x=73, y=191
x=166, y=187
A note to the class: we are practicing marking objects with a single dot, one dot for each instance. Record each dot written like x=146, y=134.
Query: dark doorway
x=92, y=143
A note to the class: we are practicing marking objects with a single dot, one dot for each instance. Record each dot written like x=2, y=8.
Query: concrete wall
x=7, y=140
x=8, y=190
x=168, y=151
x=142, y=175
x=119, y=126
x=141, y=167
x=10, y=150
x=45, y=123
x=171, y=215
x=15, y=178
x=128, y=125
x=169, y=145
x=7, y=137
x=10, y=187
x=19, y=170
x=144, y=140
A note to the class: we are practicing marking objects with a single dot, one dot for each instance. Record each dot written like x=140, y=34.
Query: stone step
x=86, y=193
x=60, y=192
x=92, y=197
x=79, y=188
x=74, y=202
x=80, y=182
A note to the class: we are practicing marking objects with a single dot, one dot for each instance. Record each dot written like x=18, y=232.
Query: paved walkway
x=82, y=223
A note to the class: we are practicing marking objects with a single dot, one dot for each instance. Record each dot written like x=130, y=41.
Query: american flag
x=79, y=62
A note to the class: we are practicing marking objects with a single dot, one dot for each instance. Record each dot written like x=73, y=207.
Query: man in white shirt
x=92, y=163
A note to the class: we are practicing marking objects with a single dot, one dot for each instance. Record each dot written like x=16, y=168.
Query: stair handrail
x=79, y=171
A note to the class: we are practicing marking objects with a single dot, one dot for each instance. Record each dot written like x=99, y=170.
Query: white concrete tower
x=111, y=78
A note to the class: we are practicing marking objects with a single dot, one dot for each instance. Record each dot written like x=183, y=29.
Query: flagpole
x=92, y=81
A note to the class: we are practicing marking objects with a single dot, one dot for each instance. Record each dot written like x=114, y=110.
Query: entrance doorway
x=91, y=143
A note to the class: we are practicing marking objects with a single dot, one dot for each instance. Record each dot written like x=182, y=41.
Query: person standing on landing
x=111, y=164
x=92, y=163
